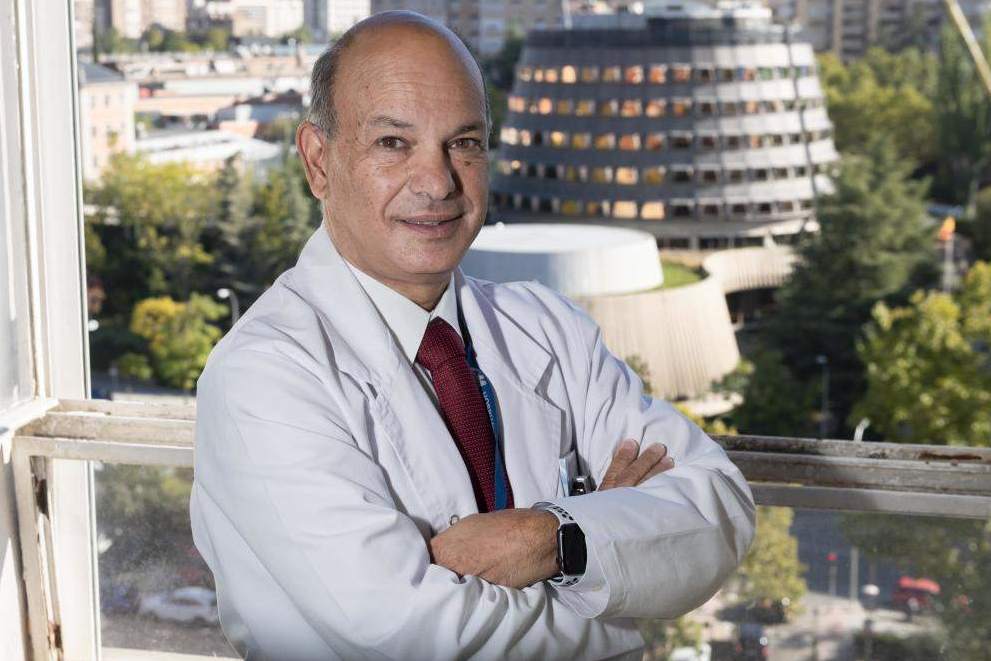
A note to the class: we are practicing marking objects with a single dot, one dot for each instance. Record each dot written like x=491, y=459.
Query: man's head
x=396, y=142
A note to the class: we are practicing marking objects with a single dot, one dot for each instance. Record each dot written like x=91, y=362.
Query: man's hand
x=628, y=470
x=518, y=547
x=514, y=548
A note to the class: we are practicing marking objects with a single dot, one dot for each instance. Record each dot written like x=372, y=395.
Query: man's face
x=407, y=169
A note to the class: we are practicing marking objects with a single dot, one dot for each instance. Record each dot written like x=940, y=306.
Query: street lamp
x=870, y=593
x=823, y=361
x=224, y=293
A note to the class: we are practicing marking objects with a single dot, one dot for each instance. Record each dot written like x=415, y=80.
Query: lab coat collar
x=518, y=366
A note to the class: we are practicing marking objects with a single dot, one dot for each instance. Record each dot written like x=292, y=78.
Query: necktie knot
x=440, y=344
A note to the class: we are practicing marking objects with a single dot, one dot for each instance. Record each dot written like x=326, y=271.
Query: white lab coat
x=322, y=468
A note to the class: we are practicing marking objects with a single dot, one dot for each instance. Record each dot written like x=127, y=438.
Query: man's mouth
x=429, y=221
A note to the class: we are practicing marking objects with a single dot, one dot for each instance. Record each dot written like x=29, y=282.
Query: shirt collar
x=407, y=320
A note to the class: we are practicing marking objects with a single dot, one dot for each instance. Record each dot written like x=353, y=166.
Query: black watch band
x=572, y=554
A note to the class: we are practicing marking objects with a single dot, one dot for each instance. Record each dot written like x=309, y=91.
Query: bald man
x=389, y=452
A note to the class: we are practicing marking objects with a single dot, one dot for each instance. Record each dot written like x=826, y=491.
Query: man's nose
x=432, y=175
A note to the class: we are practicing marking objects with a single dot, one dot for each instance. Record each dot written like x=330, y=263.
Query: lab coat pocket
x=567, y=469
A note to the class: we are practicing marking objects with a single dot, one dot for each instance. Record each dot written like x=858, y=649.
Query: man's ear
x=312, y=145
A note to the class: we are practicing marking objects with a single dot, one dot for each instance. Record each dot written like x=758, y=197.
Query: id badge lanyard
x=492, y=408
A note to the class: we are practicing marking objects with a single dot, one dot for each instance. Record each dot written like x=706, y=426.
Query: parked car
x=914, y=595
x=190, y=605
x=751, y=645
x=701, y=653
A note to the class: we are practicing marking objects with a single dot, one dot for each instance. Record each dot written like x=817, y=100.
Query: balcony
x=824, y=480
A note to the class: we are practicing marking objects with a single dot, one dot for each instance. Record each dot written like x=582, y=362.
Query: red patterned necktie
x=463, y=407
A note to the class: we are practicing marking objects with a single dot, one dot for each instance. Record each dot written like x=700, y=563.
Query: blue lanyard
x=492, y=408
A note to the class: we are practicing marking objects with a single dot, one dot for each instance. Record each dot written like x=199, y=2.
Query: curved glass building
x=703, y=124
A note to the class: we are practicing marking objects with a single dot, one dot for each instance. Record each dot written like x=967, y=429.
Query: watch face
x=571, y=547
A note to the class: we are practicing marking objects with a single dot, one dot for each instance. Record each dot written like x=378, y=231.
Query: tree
x=873, y=246
x=151, y=218
x=928, y=377
x=954, y=553
x=882, y=96
x=775, y=403
x=963, y=121
x=771, y=571
x=179, y=336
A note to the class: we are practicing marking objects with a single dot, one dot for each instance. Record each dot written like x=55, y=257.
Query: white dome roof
x=577, y=260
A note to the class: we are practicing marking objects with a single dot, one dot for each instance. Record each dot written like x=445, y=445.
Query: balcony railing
x=942, y=481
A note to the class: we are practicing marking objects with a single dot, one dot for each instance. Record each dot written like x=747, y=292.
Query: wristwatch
x=572, y=555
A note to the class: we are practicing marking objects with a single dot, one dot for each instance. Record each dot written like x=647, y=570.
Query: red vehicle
x=914, y=595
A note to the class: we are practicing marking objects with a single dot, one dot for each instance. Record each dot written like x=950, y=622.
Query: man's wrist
x=545, y=543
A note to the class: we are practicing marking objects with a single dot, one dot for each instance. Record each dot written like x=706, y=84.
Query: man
x=381, y=439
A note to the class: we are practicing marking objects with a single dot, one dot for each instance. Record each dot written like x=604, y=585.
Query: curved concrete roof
x=578, y=260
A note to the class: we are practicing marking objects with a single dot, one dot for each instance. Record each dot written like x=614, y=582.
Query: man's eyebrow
x=385, y=120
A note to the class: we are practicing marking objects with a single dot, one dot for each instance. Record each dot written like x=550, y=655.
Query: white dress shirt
x=408, y=322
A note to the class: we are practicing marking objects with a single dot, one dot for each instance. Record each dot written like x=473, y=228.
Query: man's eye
x=390, y=142
x=467, y=143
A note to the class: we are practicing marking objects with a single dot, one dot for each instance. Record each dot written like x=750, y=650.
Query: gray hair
x=322, y=113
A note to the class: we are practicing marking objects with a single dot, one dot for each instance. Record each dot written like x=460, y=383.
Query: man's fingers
x=667, y=463
x=625, y=455
x=638, y=471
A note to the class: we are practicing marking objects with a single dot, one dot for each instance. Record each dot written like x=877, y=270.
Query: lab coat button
x=454, y=519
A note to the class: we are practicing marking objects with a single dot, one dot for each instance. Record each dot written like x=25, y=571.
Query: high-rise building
x=130, y=18
x=266, y=18
x=84, y=17
x=329, y=17
x=704, y=125
x=484, y=24
x=849, y=27
x=106, y=120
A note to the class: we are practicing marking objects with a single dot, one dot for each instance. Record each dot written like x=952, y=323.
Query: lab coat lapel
x=362, y=347
x=520, y=370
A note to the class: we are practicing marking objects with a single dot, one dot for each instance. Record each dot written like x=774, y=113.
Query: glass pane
x=826, y=585
x=16, y=381
x=156, y=593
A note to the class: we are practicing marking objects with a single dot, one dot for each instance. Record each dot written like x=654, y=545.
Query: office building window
x=632, y=108
x=657, y=74
x=682, y=174
x=682, y=209
x=602, y=175
x=706, y=108
x=585, y=108
x=517, y=104
x=565, y=106
x=545, y=106
x=652, y=210
x=558, y=139
x=569, y=75
x=654, y=175
x=508, y=135
x=708, y=141
x=654, y=142
x=525, y=74
x=550, y=75
x=590, y=74
x=624, y=209
x=709, y=176
x=612, y=74
x=681, y=73
x=705, y=74
x=581, y=140
x=656, y=108
x=681, y=140
x=735, y=175
x=681, y=107
x=633, y=75
x=571, y=207
x=630, y=142
x=526, y=138
x=726, y=74
x=626, y=176
x=609, y=108
x=732, y=142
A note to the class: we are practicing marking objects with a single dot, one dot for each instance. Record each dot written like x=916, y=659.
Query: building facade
x=130, y=18
x=106, y=119
x=484, y=24
x=705, y=126
x=329, y=17
x=266, y=18
x=848, y=28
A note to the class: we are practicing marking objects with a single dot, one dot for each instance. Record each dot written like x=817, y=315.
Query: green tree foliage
x=963, y=121
x=142, y=514
x=954, y=553
x=150, y=218
x=775, y=403
x=111, y=41
x=882, y=95
x=771, y=571
x=873, y=246
x=929, y=368
x=978, y=229
x=180, y=337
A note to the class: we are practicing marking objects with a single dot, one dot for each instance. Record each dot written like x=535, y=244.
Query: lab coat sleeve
x=284, y=499
x=665, y=547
